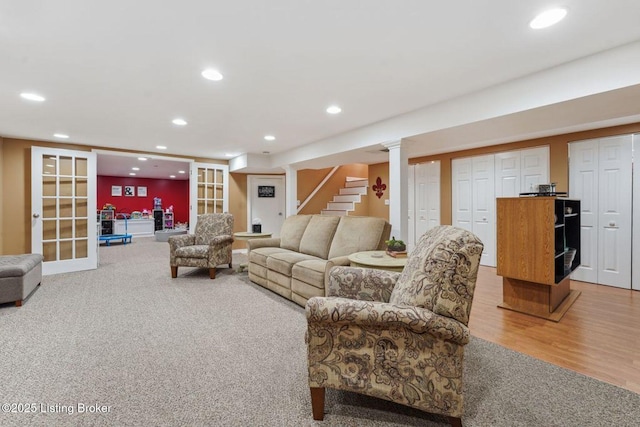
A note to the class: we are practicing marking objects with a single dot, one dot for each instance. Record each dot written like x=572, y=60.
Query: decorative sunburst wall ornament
x=379, y=187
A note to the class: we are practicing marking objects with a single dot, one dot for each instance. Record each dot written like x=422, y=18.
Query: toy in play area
x=157, y=203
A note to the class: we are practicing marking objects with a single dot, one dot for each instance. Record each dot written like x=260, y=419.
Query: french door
x=63, y=215
x=209, y=190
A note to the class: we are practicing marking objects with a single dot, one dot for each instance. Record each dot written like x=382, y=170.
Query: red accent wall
x=172, y=192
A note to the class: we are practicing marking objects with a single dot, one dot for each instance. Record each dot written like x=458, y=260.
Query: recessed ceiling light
x=142, y=159
x=548, y=18
x=211, y=74
x=161, y=147
x=61, y=135
x=334, y=109
x=172, y=176
x=270, y=137
x=179, y=122
x=32, y=96
x=135, y=168
x=181, y=172
x=132, y=173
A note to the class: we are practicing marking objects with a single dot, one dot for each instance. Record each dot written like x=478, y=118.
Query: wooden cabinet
x=538, y=246
x=107, y=218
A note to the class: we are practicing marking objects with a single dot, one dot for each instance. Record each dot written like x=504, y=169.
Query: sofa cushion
x=292, y=230
x=356, y=234
x=310, y=271
x=194, y=251
x=259, y=255
x=317, y=238
x=283, y=262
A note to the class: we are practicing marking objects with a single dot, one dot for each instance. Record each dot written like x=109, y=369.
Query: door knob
x=612, y=224
x=36, y=215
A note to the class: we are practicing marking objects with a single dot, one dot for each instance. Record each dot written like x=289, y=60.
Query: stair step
x=357, y=183
x=334, y=212
x=340, y=206
x=353, y=190
x=347, y=198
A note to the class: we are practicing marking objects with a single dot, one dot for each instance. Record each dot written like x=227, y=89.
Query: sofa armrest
x=263, y=243
x=373, y=314
x=359, y=283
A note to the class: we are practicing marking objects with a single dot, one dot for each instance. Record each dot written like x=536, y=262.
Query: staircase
x=351, y=194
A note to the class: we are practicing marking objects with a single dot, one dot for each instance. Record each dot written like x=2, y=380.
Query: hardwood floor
x=598, y=337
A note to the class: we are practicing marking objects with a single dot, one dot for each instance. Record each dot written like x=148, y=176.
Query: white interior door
x=433, y=194
x=208, y=190
x=462, y=194
x=583, y=185
x=267, y=205
x=614, y=208
x=63, y=202
x=484, y=206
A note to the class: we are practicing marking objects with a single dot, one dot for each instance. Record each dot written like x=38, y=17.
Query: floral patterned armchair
x=208, y=247
x=398, y=336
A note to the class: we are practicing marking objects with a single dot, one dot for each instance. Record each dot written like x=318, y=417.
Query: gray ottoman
x=19, y=276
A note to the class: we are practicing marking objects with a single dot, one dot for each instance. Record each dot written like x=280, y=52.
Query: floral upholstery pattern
x=376, y=334
x=208, y=247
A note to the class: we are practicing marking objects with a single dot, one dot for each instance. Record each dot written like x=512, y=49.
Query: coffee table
x=377, y=259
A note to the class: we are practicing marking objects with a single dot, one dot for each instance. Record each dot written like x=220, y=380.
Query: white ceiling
x=116, y=73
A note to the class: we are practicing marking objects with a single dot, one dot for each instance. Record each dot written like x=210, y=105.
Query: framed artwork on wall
x=116, y=190
x=142, y=191
x=129, y=190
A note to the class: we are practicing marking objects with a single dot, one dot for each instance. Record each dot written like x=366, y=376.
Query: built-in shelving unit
x=538, y=247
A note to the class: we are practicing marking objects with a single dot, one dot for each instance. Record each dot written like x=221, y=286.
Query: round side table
x=377, y=259
x=247, y=235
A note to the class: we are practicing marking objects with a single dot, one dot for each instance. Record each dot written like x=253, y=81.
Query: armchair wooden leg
x=230, y=265
x=174, y=272
x=212, y=273
x=455, y=422
x=317, y=403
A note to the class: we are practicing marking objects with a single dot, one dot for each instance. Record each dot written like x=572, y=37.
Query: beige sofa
x=296, y=265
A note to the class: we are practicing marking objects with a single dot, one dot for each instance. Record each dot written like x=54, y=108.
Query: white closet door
x=411, y=198
x=534, y=168
x=508, y=174
x=615, y=192
x=583, y=185
x=484, y=206
x=461, y=197
x=635, y=275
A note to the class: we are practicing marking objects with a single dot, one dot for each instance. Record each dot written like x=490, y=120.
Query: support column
x=398, y=189
x=291, y=190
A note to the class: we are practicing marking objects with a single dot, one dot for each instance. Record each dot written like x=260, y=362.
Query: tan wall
x=238, y=204
x=308, y=180
x=377, y=208
x=15, y=173
x=558, y=152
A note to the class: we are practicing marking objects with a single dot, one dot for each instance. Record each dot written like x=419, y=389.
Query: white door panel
x=535, y=168
x=635, y=274
x=484, y=206
x=462, y=193
x=583, y=185
x=268, y=211
x=507, y=174
x=615, y=211
x=411, y=211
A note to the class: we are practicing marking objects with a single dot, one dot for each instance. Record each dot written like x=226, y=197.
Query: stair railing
x=318, y=187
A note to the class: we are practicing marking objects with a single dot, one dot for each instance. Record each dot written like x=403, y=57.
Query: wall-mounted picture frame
x=116, y=190
x=142, y=191
x=129, y=190
x=266, y=191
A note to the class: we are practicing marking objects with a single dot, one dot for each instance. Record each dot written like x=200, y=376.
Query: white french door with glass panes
x=209, y=190
x=63, y=203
